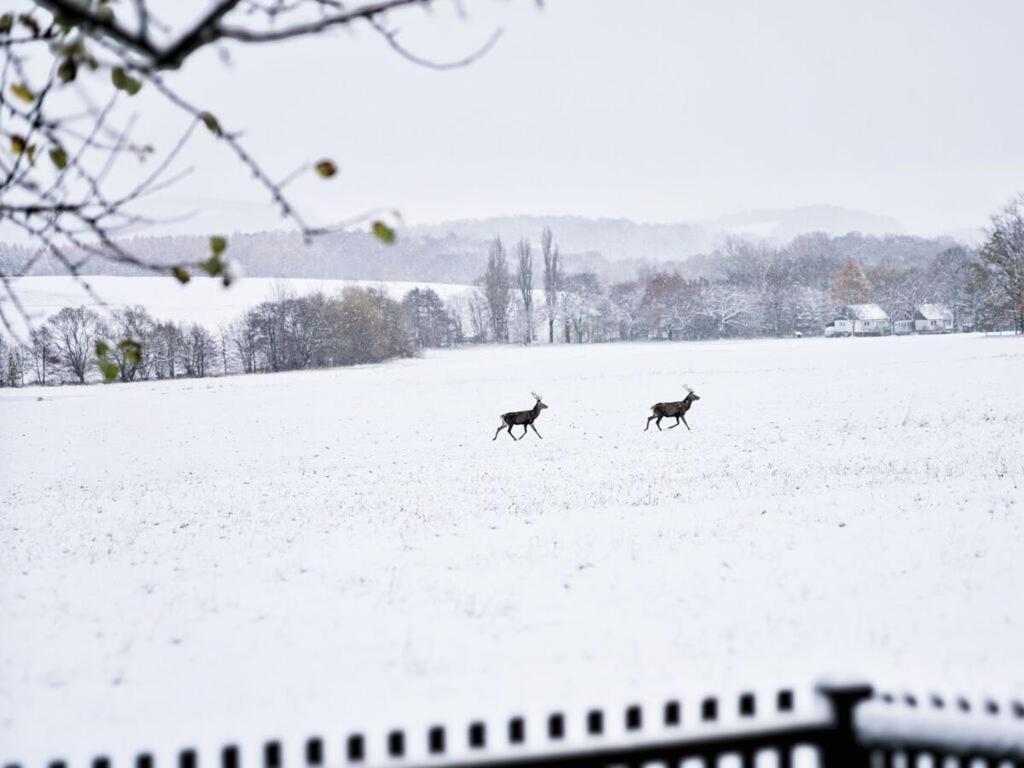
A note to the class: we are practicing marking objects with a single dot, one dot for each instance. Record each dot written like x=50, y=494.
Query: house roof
x=935, y=312
x=866, y=312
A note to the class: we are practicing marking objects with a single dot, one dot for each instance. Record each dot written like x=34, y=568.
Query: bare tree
x=428, y=318
x=134, y=327
x=243, y=337
x=74, y=333
x=41, y=347
x=479, y=315
x=14, y=362
x=725, y=311
x=580, y=297
x=498, y=289
x=223, y=336
x=952, y=272
x=552, y=279
x=167, y=342
x=199, y=351
x=4, y=351
x=524, y=282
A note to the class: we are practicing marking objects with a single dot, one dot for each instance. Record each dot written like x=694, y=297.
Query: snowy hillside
x=188, y=562
x=203, y=299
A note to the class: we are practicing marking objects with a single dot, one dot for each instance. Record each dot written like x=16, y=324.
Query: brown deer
x=522, y=418
x=677, y=409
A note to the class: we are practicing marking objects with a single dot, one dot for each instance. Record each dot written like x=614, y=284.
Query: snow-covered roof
x=866, y=312
x=935, y=312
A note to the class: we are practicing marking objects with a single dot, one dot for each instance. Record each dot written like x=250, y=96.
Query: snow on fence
x=857, y=728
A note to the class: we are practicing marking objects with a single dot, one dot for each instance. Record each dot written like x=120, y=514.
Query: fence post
x=843, y=749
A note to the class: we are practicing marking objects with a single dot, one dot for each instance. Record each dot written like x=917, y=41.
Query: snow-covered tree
x=1002, y=256
x=552, y=279
x=498, y=289
x=524, y=284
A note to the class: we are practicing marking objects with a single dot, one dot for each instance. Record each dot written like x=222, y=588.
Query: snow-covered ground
x=203, y=299
x=190, y=562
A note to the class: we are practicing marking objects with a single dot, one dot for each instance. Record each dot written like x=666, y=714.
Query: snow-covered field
x=190, y=562
x=204, y=300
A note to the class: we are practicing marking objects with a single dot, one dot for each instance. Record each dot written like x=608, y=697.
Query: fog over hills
x=780, y=224
x=618, y=239
x=456, y=251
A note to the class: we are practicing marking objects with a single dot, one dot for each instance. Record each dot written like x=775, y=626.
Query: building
x=933, y=318
x=860, y=320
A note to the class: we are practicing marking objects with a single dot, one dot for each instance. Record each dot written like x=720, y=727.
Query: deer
x=524, y=419
x=678, y=409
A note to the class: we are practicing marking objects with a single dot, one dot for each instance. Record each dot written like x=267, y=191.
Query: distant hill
x=783, y=224
x=456, y=251
x=617, y=239
x=614, y=239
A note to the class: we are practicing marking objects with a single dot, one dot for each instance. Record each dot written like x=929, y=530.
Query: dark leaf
x=211, y=123
x=109, y=369
x=102, y=349
x=59, y=157
x=217, y=245
x=17, y=144
x=326, y=168
x=212, y=266
x=67, y=71
x=181, y=274
x=23, y=92
x=125, y=82
x=6, y=22
x=383, y=232
x=133, y=86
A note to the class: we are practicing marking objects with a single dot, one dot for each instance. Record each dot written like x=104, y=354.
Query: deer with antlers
x=677, y=409
x=524, y=419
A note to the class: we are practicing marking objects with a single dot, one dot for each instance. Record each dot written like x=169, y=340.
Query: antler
x=536, y=396
x=687, y=388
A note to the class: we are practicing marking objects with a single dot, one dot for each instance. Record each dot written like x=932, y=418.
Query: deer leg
x=658, y=423
x=687, y=425
x=499, y=431
x=676, y=424
x=649, y=419
x=510, y=432
x=524, y=432
x=535, y=431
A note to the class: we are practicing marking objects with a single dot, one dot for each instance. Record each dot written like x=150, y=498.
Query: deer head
x=693, y=395
x=539, y=404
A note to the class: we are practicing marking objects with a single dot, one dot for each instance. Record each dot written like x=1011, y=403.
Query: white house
x=933, y=318
x=860, y=320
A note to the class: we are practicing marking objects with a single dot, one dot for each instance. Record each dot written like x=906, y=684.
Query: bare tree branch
x=65, y=141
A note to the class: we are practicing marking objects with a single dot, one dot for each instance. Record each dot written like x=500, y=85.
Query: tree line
x=749, y=289
x=78, y=345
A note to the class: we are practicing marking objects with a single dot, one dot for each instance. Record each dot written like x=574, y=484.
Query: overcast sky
x=667, y=110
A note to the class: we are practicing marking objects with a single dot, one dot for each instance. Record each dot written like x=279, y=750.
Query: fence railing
x=859, y=728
